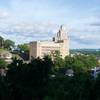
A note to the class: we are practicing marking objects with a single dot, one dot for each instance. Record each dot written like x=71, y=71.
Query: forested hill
x=95, y=52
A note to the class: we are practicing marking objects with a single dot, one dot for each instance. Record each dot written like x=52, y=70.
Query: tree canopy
x=1, y=42
x=34, y=81
x=81, y=62
x=3, y=63
x=23, y=47
x=7, y=44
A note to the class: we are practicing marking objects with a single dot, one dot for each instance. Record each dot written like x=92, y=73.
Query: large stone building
x=42, y=48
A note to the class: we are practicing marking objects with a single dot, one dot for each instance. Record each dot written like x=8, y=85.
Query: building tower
x=63, y=41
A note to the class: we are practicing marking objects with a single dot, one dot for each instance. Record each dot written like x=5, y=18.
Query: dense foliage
x=29, y=81
x=23, y=51
x=3, y=63
x=34, y=81
x=23, y=47
x=70, y=88
x=7, y=44
x=1, y=42
x=81, y=62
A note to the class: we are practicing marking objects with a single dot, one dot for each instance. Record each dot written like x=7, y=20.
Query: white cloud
x=3, y=14
x=27, y=32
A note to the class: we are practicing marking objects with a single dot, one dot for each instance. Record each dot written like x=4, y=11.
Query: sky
x=24, y=21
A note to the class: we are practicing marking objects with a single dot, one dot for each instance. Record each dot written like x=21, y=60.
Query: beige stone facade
x=42, y=48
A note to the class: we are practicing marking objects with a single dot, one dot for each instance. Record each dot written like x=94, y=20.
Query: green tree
x=81, y=62
x=29, y=81
x=95, y=90
x=1, y=42
x=8, y=44
x=78, y=65
x=4, y=90
x=24, y=51
x=59, y=62
x=69, y=61
x=77, y=87
x=24, y=47
x=3, y=64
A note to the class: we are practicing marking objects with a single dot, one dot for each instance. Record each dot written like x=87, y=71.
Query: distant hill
x=95, y=52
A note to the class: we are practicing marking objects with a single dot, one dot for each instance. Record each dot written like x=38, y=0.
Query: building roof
x=5, y=54
x=47, y=43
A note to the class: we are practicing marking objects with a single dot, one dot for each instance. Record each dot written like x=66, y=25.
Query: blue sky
x=28, y=20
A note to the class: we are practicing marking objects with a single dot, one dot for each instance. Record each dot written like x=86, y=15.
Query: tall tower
x=63, y=41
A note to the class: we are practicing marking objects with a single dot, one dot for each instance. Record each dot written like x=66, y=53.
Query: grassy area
x=2, y=50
